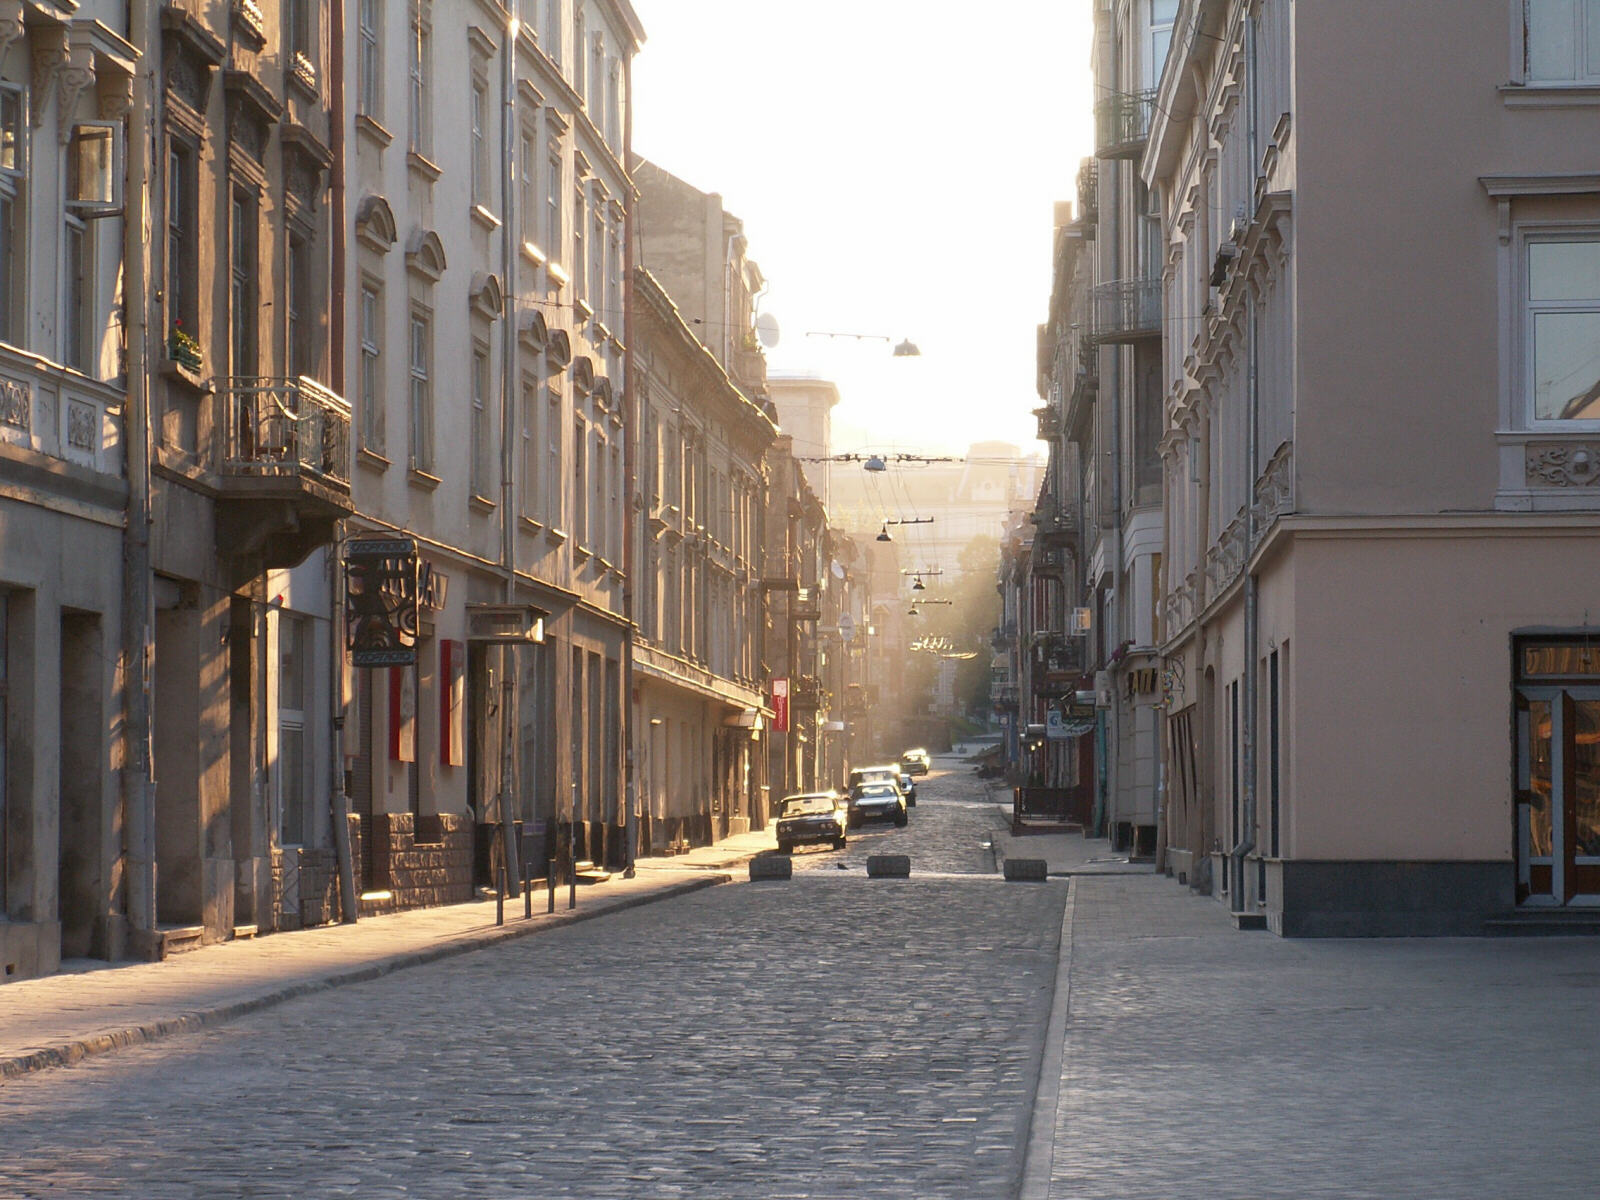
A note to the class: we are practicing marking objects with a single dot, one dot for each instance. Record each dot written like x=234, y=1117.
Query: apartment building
x=1382, y=296
x=66, y=88
x=489, y=200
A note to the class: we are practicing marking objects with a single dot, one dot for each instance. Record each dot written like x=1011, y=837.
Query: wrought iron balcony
x=1089, y=191
x=1122, y=124
x=1049, y=418
x=285, y=466
x=1126, y=310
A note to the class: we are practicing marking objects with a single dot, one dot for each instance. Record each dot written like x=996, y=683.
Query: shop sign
x=381, y=602
x=780, y=705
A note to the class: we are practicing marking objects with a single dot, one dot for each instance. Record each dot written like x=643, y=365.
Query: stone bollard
x=771, y=866
x=888, y=866
x=1026, y=870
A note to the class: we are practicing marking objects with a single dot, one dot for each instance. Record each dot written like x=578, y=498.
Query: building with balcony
x=700, y=718
x=66, y=85
x=1379, y=687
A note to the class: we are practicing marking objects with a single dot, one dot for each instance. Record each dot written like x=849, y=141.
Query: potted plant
x=184, y=349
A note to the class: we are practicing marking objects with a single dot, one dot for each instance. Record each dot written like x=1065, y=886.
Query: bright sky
x=895, y=163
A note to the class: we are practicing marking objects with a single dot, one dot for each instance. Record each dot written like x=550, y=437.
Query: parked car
x=811, y=817
x=916, y=762
x=888, y=772
x=908, y=785
x=880, y=801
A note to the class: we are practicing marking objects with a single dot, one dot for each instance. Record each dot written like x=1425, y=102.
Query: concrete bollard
x=771, y=866
x=888, y=866
x=1026, y=870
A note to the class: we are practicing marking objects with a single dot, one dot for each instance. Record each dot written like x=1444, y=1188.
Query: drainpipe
x=139, y=788
x=339, y=800
x=1113, y=719
x=510, y=654
x=1247, y=835
x=630, y=438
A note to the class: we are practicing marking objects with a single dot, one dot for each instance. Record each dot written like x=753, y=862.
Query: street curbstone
x=1026, y=870
x=888, y=866
x=771, y=866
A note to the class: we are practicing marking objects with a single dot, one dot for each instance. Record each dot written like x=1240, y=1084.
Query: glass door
x=1558, y=795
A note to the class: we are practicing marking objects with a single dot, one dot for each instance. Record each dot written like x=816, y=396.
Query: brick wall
x=437, y=869
x=314, y=875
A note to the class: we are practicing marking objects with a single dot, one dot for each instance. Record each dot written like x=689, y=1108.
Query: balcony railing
x=1049, y=419
x=1122, y=124
x=1126, y=310
x=277, y=428
x=1089, y=191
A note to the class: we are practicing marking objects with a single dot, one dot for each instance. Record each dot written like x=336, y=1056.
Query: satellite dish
x=767, y=330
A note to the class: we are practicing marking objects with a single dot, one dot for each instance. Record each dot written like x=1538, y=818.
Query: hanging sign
x=780, y=706
x=380, y=602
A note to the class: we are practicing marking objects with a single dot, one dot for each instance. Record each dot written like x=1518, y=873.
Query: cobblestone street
x=831, y=1037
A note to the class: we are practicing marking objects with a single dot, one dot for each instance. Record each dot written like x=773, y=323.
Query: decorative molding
x=82, y=426
x=425, y=255
x=1563, y=464
x=486, y=296
x=1541, y=185
x=50, y=54
x=12, y=26
x=375, y=226
x=16, y=404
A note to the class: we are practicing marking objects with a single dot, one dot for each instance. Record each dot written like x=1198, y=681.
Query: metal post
x=572, y=852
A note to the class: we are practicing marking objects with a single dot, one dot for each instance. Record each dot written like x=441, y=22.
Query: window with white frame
x=552, y=205
x=528, y=186
x=371, y=383
x=554, y=428
x=242, y=271
x=420, y=52
x=77, y=329
x=369, y=32
x=530, y=449
x=1162, y=15
x=1561, y=41
x=421, y=396
x=13, y=198
x=1561, y=328
x=552, y=29
x=580, y=282
x=480, y=420
x=580, y=487
x=480, y=139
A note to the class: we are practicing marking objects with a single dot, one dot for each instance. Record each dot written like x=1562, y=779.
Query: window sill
x=554, y=536
x=423, y=166
x=372, y=460
x=533, y=254
x=1550, y=95
x=529, y=526
x=481, y=503
x=483, y=217
x=558, y=275
x=418, y=478
x=188, y=376
x=581, y=554
x=581, y=307
x=368, y=128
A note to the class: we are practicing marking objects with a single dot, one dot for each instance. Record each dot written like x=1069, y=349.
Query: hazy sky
x=895, y=163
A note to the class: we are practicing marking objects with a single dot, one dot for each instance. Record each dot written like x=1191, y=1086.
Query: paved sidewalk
x=92, y=1007
x=1065, y=853
x=1194, y=1059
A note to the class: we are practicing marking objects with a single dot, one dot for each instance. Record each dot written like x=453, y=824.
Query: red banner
x=780, y=706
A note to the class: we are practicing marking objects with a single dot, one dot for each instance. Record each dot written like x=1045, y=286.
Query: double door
x=1558, y=795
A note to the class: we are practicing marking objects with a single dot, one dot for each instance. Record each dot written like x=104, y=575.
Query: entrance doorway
x=1558, y=773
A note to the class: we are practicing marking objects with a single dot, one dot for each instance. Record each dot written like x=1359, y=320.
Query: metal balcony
x=285, y=466
x=1126, y=310
x=1049, y=419
x=1122, y=124
x=1089, y=191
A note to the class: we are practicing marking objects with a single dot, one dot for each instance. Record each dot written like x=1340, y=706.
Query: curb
x=1039, y=1149
x=154, y=1031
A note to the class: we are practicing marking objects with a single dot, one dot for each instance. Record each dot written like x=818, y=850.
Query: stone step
x=1550, y=922
x=175, y=939
x=587, y=872
x=243, y=933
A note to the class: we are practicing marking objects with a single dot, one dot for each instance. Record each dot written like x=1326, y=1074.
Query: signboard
x=780, y=705
x=1074, y=722
x=380, y=602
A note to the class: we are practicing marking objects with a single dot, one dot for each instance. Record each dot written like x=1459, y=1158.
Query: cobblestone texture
x=832, y=1036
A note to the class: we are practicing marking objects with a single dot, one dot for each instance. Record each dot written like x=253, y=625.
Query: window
x=480, y=141
x=242, y=283
x=1562, y=41
x=78, y=318
x=552, y=207
x=1162, y=15
x=182, y=242
x=371, y=383
x=552, y=472
x=579, y=41
x=420, y=48
x=597, y=257
x=595, y=519
x=421, y=391
x=480, y=421
x=13, y=190
x=302, y=319
x=94, y=170
x=1562, y=329
x=528, y=187
x=580, y=490
x=294, y=826
x=580, y=284
x=530, y=448
x=298, y=32
x=552, y=29
x=614, y=512
x=369, y=32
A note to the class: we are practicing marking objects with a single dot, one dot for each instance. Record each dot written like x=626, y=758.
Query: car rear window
x=800, y=806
